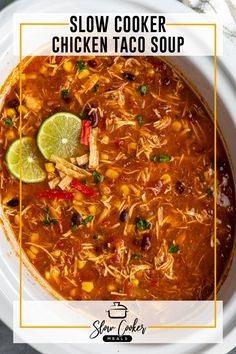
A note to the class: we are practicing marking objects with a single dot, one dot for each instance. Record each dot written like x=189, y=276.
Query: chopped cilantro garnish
x=47, y=221
x=164, y=158
x=209, y=192
x=139, y=119
x=97, y=177
x=143, y=90
x=142, y=224
x=74, y=227
x=83, y=116
x=88, y=219
x=81, y=65
x=8, y=122
x=96, y=237
x=160, y=158
x=154, y=158
x=173, y=248
x=95, y=88
x=64, y=93
x=136, y=257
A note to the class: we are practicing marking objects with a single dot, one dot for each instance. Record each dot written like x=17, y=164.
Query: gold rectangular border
x=214, y=25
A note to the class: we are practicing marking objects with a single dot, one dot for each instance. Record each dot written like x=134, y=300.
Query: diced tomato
x=86, y=127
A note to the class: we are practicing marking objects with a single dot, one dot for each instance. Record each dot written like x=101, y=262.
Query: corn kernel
x=34, y=249
x=22, y=109
x=92, y=209
x=111, y=287
x=31, y=254
x=104, y=198
x=125, y=189
x=47, y=275
x=11, y=112
x=87, y=286
x=104, y=156
x=23, y=76
x=73, y=292
x=151, y=72
x=83, y=74
x=130, y=228
x=49, y=167
x=166, y=178
x=10, y=135
x=118, y=204
x=68, y=66
x=135, y=282
x=206, y=175
x=176, y=125
x=132, y=146
x=113, y=174
x=81, y=264
x=34, y=237
x=55, y=274
x=17, y=219
x=43, y=70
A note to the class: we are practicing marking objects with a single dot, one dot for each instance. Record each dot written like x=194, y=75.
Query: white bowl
x=197, y=70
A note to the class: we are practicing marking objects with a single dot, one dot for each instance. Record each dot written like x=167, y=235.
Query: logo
x=121, y=329
x=117, y=310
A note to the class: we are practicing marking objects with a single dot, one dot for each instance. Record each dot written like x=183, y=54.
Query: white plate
x=227, y=76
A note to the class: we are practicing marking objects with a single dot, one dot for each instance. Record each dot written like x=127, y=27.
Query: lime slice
x=60, y=135
x=32, y=164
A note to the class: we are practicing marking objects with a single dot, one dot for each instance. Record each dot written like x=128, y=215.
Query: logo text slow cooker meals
x=121, y=329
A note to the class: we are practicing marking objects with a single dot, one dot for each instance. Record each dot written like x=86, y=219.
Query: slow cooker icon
x=117, y=310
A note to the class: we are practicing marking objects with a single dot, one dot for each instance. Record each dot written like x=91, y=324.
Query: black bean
x=129, y=77
x=179, y=186
x=191, y=114
x=166, y=81
x=94, y=118
x=67, y=99
x=13, y=103
x=76, y=219
x=123, y=216
x=84, y=167
x=92, y=63
x=146, y=242
x=14, y=202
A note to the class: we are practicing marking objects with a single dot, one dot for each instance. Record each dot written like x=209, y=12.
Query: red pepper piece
x=83, y=189
x=86, y=126
x=55, y=194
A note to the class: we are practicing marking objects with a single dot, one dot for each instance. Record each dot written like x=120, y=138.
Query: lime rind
x=32, y=164
x=59, y=135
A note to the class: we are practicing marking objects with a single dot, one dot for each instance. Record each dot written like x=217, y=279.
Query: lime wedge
x=60, y=135
x=32, y=163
